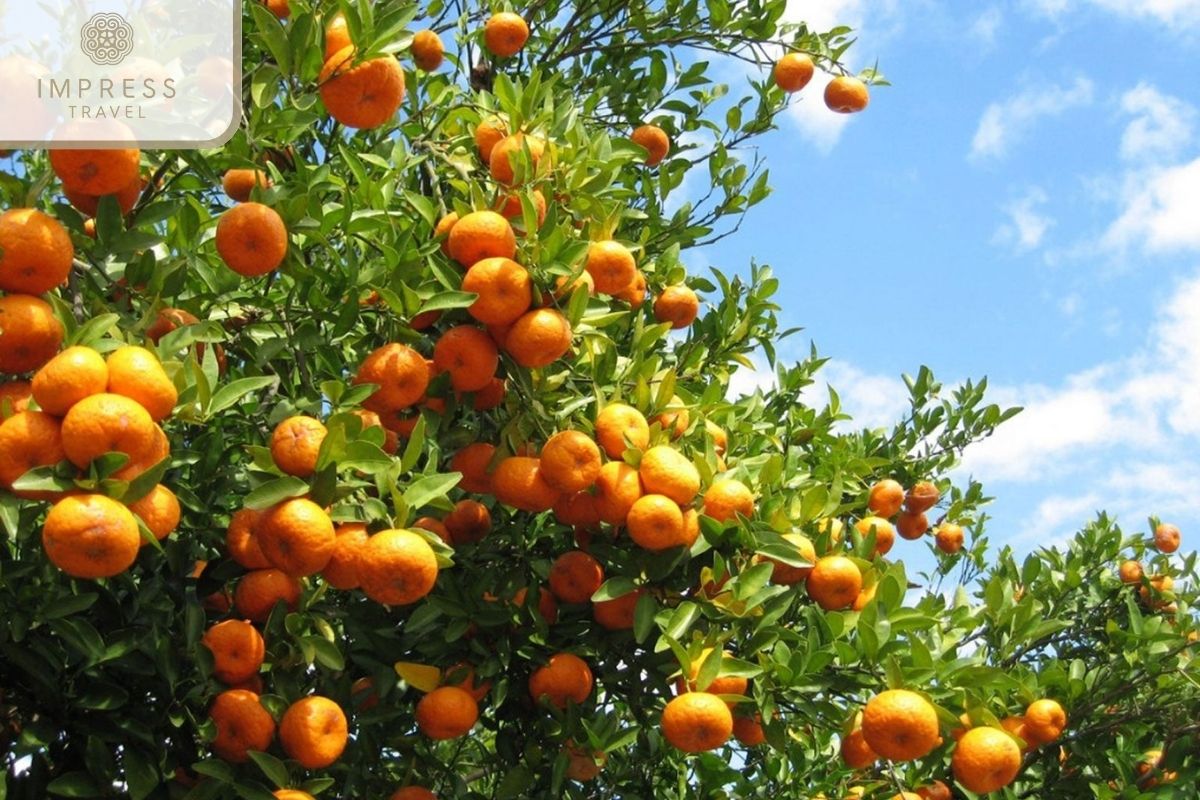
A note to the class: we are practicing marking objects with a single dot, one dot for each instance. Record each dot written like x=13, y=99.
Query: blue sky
x=1023, y=202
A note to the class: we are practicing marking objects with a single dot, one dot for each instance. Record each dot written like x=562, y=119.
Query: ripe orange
x=726, y=684
x=441, y=232
x=856, y=753
x=469, y=355
x=488, y=134
x=655, y=522
x=237, y=650
x=401, y=375
x=30, y=334
x=508, y=150
x=1152, y=760
x=619, y=427
x=570, y=461
x=518, y=482
x=504, y=289
x=89, y=204
x=923, y=496
x=575, y=576
x=675, y=418
x=834, y=582
x=564, y=678
x=35, y=251
x=786, y=574
x=1131, y=572
x=617, y=614
x=280, y=8
x=18, y=394
x=985, y=760
x=793, y=72
x=584, y=766
x=296, y=536
x=727, y=498
x=618, y=487
x=697, y=721
x=472, y=461
x=447, y=712
x=397, y=567
x=239, y=184
x=480, y=235
x=539, y=338
x=949, y=538
x=91, y=536
x=886, y=498
x=413, y=793
x=341, y=571
x=654, y=140
x=240, y=541
x=433, y=526
x=469, y=522
x=1166, y=538
x=363, y=95
x=136, y=373
x=70, y=376
x=510, y=206
x=251, y=239
x=427, y=50
x=677, y=305
x=664, y=470
x=96, y=172
x=577, y=509
x=900, y=725
x=505, y=33
x=846, y=95
x=934, y=791
x=1045, y=721
x=462, y=675
x=295, y=444
x=105, y=423
x=749, y=730
x=634, y=293
x=885, y=532
x=259, y=590
x=242, y=725
x=611, y=266
x=159, y=509
x=313, y=731
x=912, y=525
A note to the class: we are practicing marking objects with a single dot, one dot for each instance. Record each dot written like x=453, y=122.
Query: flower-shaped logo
x=106, y=39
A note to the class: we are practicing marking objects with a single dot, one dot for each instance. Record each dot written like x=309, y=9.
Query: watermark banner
x=111, y=73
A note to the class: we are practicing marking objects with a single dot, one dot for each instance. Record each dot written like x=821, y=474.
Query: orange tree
x=389, y=451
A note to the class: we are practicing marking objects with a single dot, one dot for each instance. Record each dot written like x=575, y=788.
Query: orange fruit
x=846, y=95
x=934, y=791
x=538, y=338
x=611, y=266
x=564, y=678
x=433, y=526
x=793, y=72
x=107, y=423
x=864, y=598
x=697, y=721
x=447, y=712
x=313, y=731
x=720, y=438
x=617, y=614
x=655, y=142
x=413, y=793
x=985, y=760
x=1045, y=720
x=1131, y=572
x=547, y=606
x=834, y=582
x=575, y=576
x=292, y=794
x=136, y=373
x=786, y=574
x=280, y=8
x=259, y=590
x=35, y=252
x=462, y=675
x=18, y=394
x=240, y=541
x=472, y=461
x=441, y=232
x=468, y=523
x=401, y=375
x=511, y=208
x=634, y=293
x=96, y=172
x=469, y=355
x=949, y=538
x=239, y=184
x=900, y=725
x=295, y=444
x=619, y=427
x=518, y=482
x=30, y=334
x=570, y=461
x=727, y=498
x=505, y=33
x=749, y=730
x=242, y=725
x=911, y=525
x=886, y=498
x=159, y=509
x=427, y=50
x=296, y=536
x=664, y=470
x=480, y=235
x=337, y=36
x=583, y=766
x=885, y=533
x=89, y=204
x=856, y=753
x=70, y=376
x=675, y=418
x=251, y=239
x=370, y=419
x=508, y=150
x=91, y=536
x=341, y=571
x=618, y=487
x=1166, y=538
x=655, y=522
x=504, y=289
x=726, y=684
x=363, y=95
x=488, y=134
x=923, y=496
x=677, y=305
x=237, y=650
x=397, y=567
x=160, y=449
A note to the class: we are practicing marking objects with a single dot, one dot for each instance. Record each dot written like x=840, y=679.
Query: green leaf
x=229, y=394
x=74, y=784
x=443, y=301
x=141, y=773
x=643, y=616
x=92, y=331
x=66, y=606
x=613, y=588
x=273, y=492
x=272, y=767
x=420, y=492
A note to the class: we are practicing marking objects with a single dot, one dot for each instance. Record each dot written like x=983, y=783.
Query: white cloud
x=820, y=126
x=1182, y=13
x=983, y=30
x=1026, y=225
x=1160, y=128
x=1004, y=123
x=1161, y=209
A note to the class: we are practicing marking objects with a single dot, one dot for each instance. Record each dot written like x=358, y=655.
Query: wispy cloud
x=1177, y=13
x=1005, y=122
x=985, y=27
x=1026, y=225
x=1160, y=208
x=1161, y=126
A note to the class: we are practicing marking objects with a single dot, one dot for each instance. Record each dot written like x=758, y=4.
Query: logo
x=106, y=39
